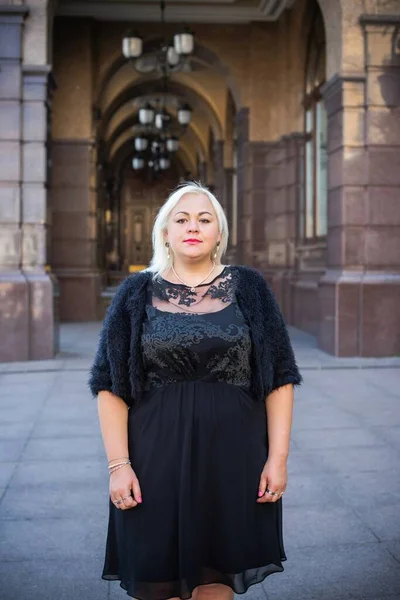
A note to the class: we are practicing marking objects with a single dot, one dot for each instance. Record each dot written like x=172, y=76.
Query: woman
x=194, y=376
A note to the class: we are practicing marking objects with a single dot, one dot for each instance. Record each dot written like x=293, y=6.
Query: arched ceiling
x=194, y=11
x=125, y=85
x=120, y=115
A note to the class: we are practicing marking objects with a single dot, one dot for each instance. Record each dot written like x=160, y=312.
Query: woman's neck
x=193, y=274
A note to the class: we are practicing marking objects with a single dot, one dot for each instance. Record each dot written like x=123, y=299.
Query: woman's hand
x=125, y=485
x=274, y=479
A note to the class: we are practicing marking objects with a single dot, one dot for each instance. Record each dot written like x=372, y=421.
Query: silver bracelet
x=119, y=467
x=117, y=464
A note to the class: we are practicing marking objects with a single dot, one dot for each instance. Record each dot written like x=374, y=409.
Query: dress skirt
x=198, y=449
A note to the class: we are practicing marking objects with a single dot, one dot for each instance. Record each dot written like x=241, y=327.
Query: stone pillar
x=26, y=291
x=244, y=217
x=202, y=174
x=34, y=218
x=230, y=173
x=76, y=218
x=282, y=190
x=359, y=295
x=74, y=231
x=256, y=199
x=219, y=173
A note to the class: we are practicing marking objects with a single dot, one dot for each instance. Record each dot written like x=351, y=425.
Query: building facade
x=295, y=126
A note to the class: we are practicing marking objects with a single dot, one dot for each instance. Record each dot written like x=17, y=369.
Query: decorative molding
x=336, y=82
x=12, y=11
x=383, y=20
x=190, y=11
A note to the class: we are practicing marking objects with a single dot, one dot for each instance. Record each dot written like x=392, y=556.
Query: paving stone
x=75, y=471
x=336, y=438
x=52, y=539
x=370, y=489
x=336, y=572
x=323, y=417
x=20, y=414
x=390, y=434
x=67, y=411
x=393, y=547
x=315, y=526
x=7, y=469
x=383, y=520
x=64, y=448
x=302, y=491
x=11, y=450
x=53, y=580
x=10, y=431
x=368, y=459
x=71, y=428
x=55, y=501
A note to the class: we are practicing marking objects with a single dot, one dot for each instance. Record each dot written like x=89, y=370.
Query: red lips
x=192, y=240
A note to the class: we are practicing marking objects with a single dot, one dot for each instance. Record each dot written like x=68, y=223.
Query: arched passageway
x=294, y=127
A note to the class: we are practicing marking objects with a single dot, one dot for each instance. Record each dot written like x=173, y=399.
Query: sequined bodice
x=201, y=334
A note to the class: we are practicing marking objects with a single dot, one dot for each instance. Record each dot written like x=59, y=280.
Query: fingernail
x=139, y=499
x=260, y=493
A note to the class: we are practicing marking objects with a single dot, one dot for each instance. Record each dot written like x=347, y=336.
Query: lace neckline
x=215, y=293
x=169, y=283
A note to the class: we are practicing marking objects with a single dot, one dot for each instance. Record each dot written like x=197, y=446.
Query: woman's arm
x=113, y=416
x=279, y=408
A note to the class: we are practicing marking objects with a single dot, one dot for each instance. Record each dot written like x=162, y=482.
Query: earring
x=168, y=254
x=216, y=250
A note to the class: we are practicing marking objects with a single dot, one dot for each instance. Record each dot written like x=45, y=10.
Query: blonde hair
x=159, y=261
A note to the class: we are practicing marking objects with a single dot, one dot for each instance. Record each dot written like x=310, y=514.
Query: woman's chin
x=194, y=253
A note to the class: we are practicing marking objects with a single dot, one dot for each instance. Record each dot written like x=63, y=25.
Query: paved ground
x=341, y=509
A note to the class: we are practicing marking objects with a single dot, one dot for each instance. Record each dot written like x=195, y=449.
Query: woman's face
x=193, y=218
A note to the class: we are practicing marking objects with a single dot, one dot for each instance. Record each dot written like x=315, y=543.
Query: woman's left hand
x=273, y=479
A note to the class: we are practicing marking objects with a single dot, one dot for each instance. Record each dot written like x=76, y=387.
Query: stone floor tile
x=314, y=526
x=53, y=580
x=7, y=469
x=353, y=571
x=51, y=539
x=64, y=448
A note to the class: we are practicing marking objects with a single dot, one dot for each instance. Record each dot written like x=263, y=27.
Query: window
x=313, y=202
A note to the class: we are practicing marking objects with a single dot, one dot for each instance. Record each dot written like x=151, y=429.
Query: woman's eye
x=183, y=219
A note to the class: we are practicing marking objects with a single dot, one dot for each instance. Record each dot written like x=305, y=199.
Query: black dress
x=198, y=443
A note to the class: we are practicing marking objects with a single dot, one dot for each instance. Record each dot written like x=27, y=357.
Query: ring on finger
x=267, y=491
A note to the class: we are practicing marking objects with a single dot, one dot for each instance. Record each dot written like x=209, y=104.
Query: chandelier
x=157, y=134
x=163, y=57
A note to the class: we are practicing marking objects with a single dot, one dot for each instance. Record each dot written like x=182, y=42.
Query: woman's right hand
x=124, y=484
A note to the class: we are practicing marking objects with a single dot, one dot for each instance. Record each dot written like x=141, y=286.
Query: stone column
x=230, y=173
x=282, y=192
x=359, y=295
x=256, y=199
x=74, y=185
x=218, y=169
x=34, y=218
x=74, y=231
x=202, y=174
x=26, y=291
x=244, y=246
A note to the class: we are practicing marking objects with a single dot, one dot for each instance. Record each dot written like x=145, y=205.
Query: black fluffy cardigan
x=118, y=365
